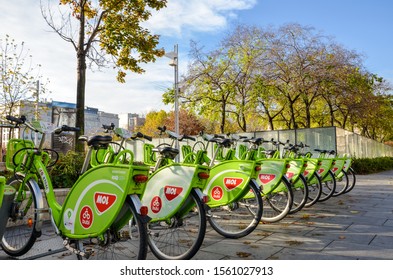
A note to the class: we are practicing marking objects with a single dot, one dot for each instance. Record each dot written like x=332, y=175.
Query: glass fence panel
x=328, y=138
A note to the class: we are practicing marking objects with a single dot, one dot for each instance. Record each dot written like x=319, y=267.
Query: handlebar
x=174, y=135
x=67, y=128
x=108, y=127
x=16, y=120
x=141, y=135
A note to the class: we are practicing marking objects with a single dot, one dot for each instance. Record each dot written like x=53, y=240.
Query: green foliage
x=106, y=33
x=66, y=171
x=372, y=165
x=287, y=77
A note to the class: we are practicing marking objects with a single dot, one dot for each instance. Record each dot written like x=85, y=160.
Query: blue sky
x=362, y=25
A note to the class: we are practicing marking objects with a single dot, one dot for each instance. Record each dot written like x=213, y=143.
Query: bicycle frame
x=169, y=186
x=229, y=181
x=270, y=172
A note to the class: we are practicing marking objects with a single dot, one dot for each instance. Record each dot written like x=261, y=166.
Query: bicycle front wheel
x=341, y=183
x=180, y=237
x=328, y=186
x=126, y=243
x=20, y=232
x=277, y=204
x=300, y=195
x=239, y=218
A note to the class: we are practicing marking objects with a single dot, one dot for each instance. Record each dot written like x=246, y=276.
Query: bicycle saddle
x=167, y=152
x=225, y=142
x=255, y=141
x=96, y=140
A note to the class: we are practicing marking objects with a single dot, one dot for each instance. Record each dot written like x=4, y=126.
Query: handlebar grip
x=109, y=127
x=69, y=128
x=189, y=137
x=66, y=128
x=162, y=128
x=147, y=137
x=20, y=120
x=141, y=135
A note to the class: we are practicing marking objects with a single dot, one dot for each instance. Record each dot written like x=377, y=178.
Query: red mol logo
x=305, y=173
x=217, y=193
x=172, y=192
x=86, y=217
x=320, y=171
x=334, y=169
x=231, y=183
x=104, y=201
x=290, y=175
x=266, y=178
x=156, y=204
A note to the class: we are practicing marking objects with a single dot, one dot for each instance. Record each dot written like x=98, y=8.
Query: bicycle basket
x=13, y=146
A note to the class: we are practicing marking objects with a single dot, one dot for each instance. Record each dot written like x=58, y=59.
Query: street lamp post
x=36, y=112
x=175, y=63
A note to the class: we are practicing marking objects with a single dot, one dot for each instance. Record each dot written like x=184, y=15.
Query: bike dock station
x=358, y=225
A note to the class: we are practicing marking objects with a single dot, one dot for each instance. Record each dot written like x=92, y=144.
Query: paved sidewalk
x=357, y=225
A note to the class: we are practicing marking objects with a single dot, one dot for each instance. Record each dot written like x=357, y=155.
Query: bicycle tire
x=276, y=205
x=314, y=191
x=20, y=233
x=181, y=237
x=351, y=179
x=300, y=195
x=341, y=183
x=328, y=186
x=127, y=243
x=239, y=218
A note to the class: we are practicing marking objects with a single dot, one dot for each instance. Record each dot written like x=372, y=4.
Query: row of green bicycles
x=119, y=208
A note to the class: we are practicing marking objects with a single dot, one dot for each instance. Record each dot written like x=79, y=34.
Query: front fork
x=39, y=199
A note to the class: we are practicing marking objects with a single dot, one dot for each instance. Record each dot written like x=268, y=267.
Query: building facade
x=58, y=113
x=131, y=121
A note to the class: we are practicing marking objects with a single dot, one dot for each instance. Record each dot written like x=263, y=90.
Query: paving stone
x=311, y=243
x=383, y=241
x=342, y=235
x=292, y=254
x=238, y=249
x=359, y=251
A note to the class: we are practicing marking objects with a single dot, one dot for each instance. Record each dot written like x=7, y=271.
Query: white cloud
x=196, y=15
x=22, y=20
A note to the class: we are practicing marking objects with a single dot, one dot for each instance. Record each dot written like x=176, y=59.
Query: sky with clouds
x=362, y=25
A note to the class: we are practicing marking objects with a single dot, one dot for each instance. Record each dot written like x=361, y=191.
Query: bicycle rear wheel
x=328, y=186
x=126, y=243
x=20, y=232
x=351, y=180
x=277, y=204
x=341, y=183
x=314, y=190
x=239, y=218
x=300, y=195
x=181, y=237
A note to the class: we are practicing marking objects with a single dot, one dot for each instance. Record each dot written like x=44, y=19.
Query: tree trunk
x=81, y=82
x=293, y=124
x=80, y=101
x=223, y=118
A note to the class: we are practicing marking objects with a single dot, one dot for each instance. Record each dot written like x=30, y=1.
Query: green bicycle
x=102, y=216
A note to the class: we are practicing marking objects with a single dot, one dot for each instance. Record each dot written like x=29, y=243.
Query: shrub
x=66, y=171
x=372, y=165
